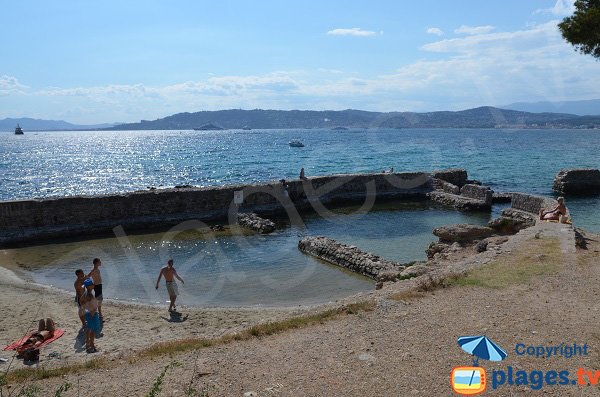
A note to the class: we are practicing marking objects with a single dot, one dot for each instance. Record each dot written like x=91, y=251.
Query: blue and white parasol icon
x=481, y=347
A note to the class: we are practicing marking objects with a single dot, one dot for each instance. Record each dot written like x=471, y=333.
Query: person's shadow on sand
x=175, y=317
x=79, y=344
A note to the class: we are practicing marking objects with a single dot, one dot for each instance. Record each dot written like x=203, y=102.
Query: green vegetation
x=157, y=386
x=582, y=29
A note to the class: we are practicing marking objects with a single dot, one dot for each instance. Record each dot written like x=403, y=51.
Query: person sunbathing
x=555, y=213
x=45, y=331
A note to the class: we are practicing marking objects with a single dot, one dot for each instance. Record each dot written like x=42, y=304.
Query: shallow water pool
x=221, y=269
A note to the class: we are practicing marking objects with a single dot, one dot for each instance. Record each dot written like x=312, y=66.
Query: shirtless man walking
x=97, y=279
x=170, y=274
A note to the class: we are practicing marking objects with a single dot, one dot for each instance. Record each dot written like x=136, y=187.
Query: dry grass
x=178, y=346
x=408, y=295
x=535, y=258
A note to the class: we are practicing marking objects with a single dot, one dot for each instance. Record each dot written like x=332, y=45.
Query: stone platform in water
x=459, y=202
x=580, y=181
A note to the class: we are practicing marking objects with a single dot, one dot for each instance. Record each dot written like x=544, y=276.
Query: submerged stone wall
x=351, y=258
x=27, y=221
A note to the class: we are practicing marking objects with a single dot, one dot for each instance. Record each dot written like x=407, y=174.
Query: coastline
x=130, y=326
x=395, y=337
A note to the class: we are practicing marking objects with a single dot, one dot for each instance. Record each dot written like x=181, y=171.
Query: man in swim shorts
x=97, y=279
x=170, y=274
x=79, y=290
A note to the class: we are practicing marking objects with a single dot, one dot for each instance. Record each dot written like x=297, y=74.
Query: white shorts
x=172, y=288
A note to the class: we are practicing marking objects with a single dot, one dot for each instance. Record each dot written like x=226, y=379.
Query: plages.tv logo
x=471, y=380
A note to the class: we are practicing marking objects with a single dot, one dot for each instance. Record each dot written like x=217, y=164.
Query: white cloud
x=435, y=31
x=276, y=82
x=530, y=64
x=464, y=29
x=332, y=71
x=520, y=38
x=561, y=8
x=10, y=84
x=352, y=32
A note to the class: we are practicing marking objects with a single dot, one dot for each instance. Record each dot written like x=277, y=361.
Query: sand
x=401, y=348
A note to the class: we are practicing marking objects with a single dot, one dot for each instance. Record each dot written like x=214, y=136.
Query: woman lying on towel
x=555, y=213
x=45, y=331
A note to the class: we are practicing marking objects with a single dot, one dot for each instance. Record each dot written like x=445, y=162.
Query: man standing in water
x=97, y=279
x=170, y=274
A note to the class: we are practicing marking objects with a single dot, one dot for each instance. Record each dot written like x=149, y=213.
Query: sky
x=122, y=61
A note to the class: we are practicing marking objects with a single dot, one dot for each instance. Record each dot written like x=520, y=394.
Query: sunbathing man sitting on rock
x=555, y=213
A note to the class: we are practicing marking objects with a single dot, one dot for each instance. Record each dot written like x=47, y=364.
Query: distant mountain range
x=581, y=108
x=481, y=117
x=29, y=124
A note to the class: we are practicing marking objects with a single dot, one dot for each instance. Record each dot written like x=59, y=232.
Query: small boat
x=246, y=128
x=18, y=130
x=296, y=143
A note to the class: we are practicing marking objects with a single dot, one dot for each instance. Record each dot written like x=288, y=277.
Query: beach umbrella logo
x=481, y=347
x=472, y=380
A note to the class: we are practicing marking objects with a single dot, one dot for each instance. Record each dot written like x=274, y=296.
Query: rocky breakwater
x=456, y=238
x=453, y=189
x=358, y=261
x=32, y=221
x=254, y=222
x=578, y=181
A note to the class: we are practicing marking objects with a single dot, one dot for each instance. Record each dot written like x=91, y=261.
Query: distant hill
x=29, y=124
x=481, y=117
x=581, y=108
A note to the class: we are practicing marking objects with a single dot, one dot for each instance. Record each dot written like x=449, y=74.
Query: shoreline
x=362, y=339
x=22, y=303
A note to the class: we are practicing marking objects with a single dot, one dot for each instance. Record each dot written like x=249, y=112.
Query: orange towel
x=57, y=334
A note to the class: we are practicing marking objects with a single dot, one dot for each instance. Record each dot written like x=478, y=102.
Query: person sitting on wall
x=555, y=213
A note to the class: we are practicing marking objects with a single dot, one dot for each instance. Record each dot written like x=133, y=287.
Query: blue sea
x=251, y=270
x=45, y=164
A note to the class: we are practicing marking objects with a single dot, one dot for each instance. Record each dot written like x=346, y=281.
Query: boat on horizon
x=296, y=143
x=18, y=130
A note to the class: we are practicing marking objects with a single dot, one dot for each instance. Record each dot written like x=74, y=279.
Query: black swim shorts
x=98, y=291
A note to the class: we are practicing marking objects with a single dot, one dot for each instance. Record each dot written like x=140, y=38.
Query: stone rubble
x=254, y=222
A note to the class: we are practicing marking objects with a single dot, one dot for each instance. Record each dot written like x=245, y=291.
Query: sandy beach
x=405, y=345
x=128, y=327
